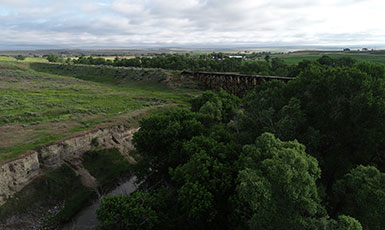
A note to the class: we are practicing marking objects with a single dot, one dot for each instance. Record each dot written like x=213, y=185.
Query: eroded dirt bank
x=17, y=173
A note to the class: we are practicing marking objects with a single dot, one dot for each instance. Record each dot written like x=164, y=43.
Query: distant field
x=108, y=57
x=38, y=108
x=113, y=57
x=295, y=58
x=27, y=59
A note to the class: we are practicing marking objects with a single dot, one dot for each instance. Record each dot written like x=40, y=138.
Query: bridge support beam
x=233, y=83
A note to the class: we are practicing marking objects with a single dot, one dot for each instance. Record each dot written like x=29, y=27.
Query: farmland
x=296, y=57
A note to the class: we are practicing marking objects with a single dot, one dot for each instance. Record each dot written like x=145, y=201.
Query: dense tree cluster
x=54, y=58
x=20, y=57
x=231, y=163
x=214, y=62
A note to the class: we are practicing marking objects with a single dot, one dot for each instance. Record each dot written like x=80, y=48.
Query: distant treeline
x=214, y=62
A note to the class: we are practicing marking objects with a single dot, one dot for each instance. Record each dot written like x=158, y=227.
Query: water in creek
x=86, y=219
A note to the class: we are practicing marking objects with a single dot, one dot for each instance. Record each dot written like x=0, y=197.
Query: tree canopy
x=308, y=154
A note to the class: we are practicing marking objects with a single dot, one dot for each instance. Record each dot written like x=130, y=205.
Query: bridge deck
x=227, y=74
x=233, y=83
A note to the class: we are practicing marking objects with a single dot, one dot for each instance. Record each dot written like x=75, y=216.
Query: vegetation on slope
x=106, y=166
x=59, y=191
x=41, y=102
x=58, y=195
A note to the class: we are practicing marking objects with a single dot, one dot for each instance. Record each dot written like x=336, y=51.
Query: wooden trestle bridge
x=233, y=83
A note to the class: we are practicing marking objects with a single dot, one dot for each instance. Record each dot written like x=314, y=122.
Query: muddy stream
x=86, y=219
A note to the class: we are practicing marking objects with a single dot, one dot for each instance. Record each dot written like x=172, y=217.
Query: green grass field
x=296, y=57
x=40, y=107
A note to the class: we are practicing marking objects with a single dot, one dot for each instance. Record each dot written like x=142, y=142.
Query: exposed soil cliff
x=17, y=173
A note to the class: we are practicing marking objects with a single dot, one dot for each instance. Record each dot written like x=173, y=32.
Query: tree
x=347, y=223
x=375, y=70
x=361, y=194
x=160, y=140
x=326, y=60
x=207, y=178
x=20, y=57
x=54, y=58
x=345, y=61
x=325, y=223
x=279, y=67
x=277, y=185
x=127, y=212
x=220, y=107
x=267, y=58
x=337, y=113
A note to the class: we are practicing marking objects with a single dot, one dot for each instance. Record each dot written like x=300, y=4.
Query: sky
x=47, y=24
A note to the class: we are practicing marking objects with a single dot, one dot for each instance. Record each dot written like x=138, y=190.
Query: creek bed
x=86, y=219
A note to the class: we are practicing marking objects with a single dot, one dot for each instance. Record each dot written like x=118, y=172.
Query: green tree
x=20, y=57
x=267, y=58
x=54, y=58
x=345, y=61
x=160, y=140
x=279, y=67
x=338, y=113
x=220, y=107
x=326, y=60
x=342, y=223
x=127, y=212
x=207, y=178
x=277, y=185
x=375, y=70
x=361, y=194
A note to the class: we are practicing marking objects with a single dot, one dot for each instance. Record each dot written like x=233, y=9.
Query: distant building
x=240, y=57
x=346, y=50
x=365, y=49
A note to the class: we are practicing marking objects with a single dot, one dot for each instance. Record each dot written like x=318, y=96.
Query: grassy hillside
x=41, y=102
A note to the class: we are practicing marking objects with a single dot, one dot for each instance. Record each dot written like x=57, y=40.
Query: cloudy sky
x=37, y=24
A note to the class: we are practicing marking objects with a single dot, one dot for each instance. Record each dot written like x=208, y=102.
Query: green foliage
x=269, y=109
x=106, y=174
x=220, y=107
x=326, y=60
x=341, y=59
x=160, y=140
x=20, y=57
x=279, y=67
x=127, y=212
x=48, y=100
x=342, y=223
x=347, y=223
x=361, y=194
x=59, y=185
x=278, y=184
x=197, y=177
x=222, y=63
x=205, y=62
x=373, y=69
x=336, y=112
x=206, y=177
x=54, y=58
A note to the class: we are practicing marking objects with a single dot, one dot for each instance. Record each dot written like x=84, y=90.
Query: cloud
x=128, y=23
